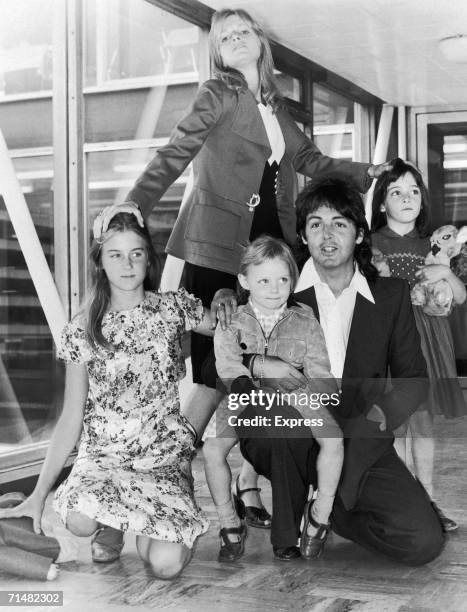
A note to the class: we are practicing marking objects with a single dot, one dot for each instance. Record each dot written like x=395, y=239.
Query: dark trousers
x=286, y=457
x=393, y=514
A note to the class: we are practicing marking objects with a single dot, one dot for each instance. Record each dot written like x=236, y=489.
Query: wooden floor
x=345, y=579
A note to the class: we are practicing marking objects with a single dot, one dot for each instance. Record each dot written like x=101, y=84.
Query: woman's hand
x=33, y=506
x=375, y=171
x=223, y=305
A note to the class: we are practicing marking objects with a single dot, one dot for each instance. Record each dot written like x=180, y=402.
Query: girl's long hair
x=233, y=78
x=340, y=195
x=399, y=168
x=99, y=298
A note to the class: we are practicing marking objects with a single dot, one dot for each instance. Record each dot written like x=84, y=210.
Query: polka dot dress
x=405, y=254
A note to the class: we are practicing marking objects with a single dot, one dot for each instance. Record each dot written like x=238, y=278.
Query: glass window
x=31, y=379
x=111, y=175
x=131, y=40
x=447, y=149
x=455, y=178
x=26, y=47
x=333, y=123
x=289, y=86
x=141, y=74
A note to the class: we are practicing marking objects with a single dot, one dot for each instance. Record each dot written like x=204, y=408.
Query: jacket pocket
x=213, y=220
x=291, y=350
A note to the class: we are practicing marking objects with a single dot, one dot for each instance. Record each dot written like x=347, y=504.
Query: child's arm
x=435, y=272
x=64, y=438
x=229, y=356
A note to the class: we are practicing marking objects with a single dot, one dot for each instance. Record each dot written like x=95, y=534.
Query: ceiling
x=388, y=47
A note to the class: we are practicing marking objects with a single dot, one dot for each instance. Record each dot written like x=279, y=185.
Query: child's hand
x=223, y=305
x=433, y=273
x=280, y=374
x=33, y=506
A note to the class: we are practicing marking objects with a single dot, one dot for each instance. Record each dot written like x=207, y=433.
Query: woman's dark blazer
x=224, y=133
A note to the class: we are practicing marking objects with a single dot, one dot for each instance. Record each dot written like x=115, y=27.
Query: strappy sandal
x=231, y=551
x=254, y=517
x=311, y=547
x=106, y=544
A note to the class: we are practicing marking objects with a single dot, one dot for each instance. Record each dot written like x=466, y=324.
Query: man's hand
x=279, y=374
x=223, y=305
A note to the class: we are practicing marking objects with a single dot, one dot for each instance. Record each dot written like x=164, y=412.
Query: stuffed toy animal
x=447, y=242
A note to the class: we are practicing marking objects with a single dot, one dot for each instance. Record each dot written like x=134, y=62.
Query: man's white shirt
x=335, y=314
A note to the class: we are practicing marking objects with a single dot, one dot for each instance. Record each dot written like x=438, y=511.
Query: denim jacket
x=297, y=338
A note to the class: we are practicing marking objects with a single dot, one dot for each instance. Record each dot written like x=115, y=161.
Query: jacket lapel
x=361, y=338
x=248, y=123
x=308, y=297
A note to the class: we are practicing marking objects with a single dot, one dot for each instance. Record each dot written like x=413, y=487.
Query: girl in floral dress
x=124, y=360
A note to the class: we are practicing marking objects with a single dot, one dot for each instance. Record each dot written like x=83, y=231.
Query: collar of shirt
x=268, y=322
x=309, y=277
x=387, y=231
x=335, y=313
x=274, y=133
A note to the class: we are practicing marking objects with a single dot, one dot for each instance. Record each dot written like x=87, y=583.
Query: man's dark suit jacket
x=383, y=340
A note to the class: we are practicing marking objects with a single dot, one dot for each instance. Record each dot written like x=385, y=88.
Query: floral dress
x=133, y=469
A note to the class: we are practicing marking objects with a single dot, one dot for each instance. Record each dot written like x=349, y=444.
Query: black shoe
x=311, y=547
x=254, y=517
x=289, y=553
x=231, y=551
x=447, y=523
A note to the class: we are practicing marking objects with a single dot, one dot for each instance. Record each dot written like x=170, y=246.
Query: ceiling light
x=454, y=48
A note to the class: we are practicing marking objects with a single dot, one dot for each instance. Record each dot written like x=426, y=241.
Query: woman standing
x=246, y=150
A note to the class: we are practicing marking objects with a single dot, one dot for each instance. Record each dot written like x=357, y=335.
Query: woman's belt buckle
x=253, y=202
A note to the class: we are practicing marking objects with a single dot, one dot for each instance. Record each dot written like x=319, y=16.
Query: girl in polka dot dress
x=400, y=224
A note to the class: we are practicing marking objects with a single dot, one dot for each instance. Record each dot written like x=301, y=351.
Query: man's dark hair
x=340, y=195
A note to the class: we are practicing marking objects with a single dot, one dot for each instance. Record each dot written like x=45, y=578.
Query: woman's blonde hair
x=265, y=248
x=234, y=78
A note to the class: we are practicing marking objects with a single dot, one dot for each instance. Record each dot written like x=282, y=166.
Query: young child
x=124, y=360
x=401, y=225
x=267, y=324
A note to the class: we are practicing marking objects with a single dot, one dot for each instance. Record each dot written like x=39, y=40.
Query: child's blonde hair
x=265, y=248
